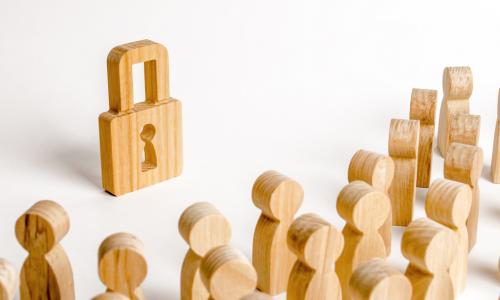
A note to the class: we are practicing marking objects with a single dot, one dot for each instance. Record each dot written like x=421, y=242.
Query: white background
x=296, y=86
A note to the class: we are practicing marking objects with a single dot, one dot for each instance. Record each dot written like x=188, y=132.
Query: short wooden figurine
x=495, y=157
x=463, y=128
x=457, y=89
x=46, y=273
x=430, y=248
x=122, y=265
x=377, y=280
x=8, y=280
x=317, y=245
x=110, y=296
x=464, y=163
x=204, y=228
x=279, y=198
x=227, y=274
x=423, y=109
x=378, y=171
x=141, y=144
x=448, y=203
x=403, y=149
x=365, y=209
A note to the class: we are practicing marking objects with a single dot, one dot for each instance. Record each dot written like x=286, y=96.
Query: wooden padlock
x=141, y=144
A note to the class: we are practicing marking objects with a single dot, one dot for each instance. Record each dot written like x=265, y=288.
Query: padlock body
x=122, y=149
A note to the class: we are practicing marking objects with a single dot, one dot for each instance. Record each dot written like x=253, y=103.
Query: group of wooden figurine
x=307, y=257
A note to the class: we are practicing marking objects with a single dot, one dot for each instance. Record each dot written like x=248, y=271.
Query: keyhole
x=149, y=154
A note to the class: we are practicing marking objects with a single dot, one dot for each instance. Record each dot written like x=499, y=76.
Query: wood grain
x=423, y=109
x=110, y=296
x=457, y=89
x=448, y=203
x=377, y=280
x=279, y=198
x=365, y=209
x=46, y=272
x=464, y=163
x=204, y=228
x=317, y=245
x=378, y=171
x=152, y=127
x=495, y=157
x=9, y=282
x=403, y=149
x=464, y=128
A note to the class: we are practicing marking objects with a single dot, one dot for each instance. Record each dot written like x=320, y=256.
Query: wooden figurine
x=365, y=209
x=448, y=203
x=423, y=109
x=227, y=274
x=122, y=266
x=430, y=248
x=463, y=128
x=46, y=273
x=257, y=296
x=495, y=157
x=8, y=280
x=203, y=227
x=378, y=171
x=403, y=149
x=279, y=198
x=110, y=296
x=377, y=280
x=317, y=245
x=457, y=89
x=464, y=163
x=141, y=144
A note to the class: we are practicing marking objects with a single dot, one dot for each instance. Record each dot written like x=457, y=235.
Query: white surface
x=296, y=86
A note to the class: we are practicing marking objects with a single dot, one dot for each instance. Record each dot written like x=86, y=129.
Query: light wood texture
x=378, y=171
x=448, y=203
x=317, y=245
x=376, y=280
x=495, y=157
x=257, y=296
x=279, y=198
x=463, y=128
x=464, y=163
x=365, y=209
x=430, y=247
x=46, y=273
x=122, y=265
x=8, y=280
x=204, y=228
x=152, y=128
x=227, y=274
x=457, y=89
x=110, y=296
x=423, y=109
x=403, y=149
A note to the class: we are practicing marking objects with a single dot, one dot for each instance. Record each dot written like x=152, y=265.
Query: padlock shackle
x=120, y=83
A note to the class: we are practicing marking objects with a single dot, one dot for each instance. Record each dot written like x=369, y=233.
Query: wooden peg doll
x=122, y=265
x=279, y=198
x=8, y=280
x=365, y=210
x=317, y=245
x=46, y=273
x=257, y=296
x=110, y=296
x=204, y=228
x=430, y=248
x=448, y=203
x=464, y=128
x=495, y=157
x=378, y=171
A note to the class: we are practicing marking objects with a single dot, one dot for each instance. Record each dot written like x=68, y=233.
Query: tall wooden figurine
x=378, y=171
x=430, y=248
x=464, y=129
x=457, y=89
x=464, y=163
x=279, y=198
x=365, y=210
x=403, y=149
x=141, y=144
x=204, y=228
x=46, y=273
x=448, y=202
x=495, y=157
x=423, y=109
x=317, y=245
